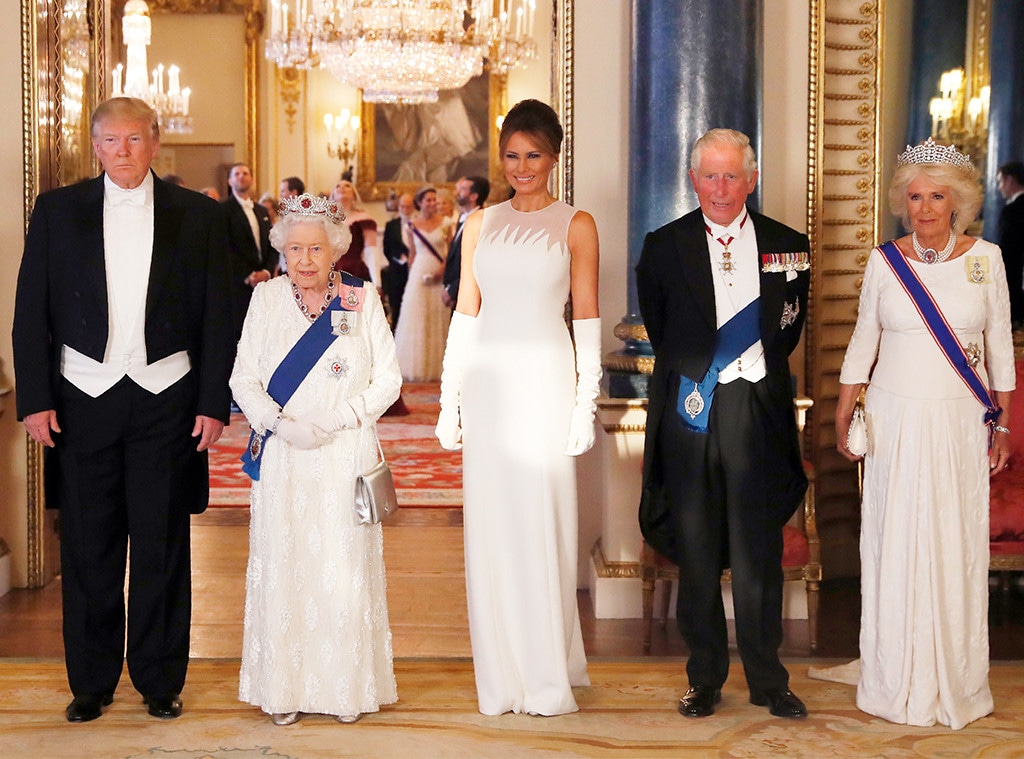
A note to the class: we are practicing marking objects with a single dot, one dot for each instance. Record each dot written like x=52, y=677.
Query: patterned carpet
x=629, y=711
x=425, y=474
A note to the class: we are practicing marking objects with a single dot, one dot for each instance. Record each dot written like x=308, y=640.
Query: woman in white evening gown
x=527, y=404
x=924, y=529
x=316, y=637
x=419, y=339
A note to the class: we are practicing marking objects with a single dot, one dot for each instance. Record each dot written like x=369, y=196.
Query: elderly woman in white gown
x=315, y=368
x=924, y=530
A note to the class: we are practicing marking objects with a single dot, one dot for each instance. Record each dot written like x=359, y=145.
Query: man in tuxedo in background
x=470, y=194
x=396, y=274
x=1010, y=235
x=253, y=260
x=723, y=292
x=122, y=351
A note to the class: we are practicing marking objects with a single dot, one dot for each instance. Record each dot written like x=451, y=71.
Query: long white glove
x=331, y=420
x=304, y=435
x=460, y=335
x=587, y=333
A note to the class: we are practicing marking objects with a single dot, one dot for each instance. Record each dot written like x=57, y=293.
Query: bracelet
x=277, y=421
x=1000, y=428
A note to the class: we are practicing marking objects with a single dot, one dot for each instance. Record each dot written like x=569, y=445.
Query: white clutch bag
x=857, y=435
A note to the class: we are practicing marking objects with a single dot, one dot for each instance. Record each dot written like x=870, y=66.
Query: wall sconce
x=957, y=119
x=344, y=130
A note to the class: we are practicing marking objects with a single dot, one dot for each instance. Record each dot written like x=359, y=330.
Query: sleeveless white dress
x=519, y=487
x=423, y=328
x=924, y=517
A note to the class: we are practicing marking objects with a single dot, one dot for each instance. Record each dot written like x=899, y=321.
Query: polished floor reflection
x=426, y=596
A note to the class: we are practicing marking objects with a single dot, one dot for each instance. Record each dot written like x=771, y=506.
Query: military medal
x=694, y=403
x=726, y=264
x=351, y=299
x=342, y=323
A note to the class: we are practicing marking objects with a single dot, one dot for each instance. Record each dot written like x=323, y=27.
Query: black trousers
x=123, y=480
x=726, y=487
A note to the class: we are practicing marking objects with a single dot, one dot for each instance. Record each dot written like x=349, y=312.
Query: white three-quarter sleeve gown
x=924, y=521
x=519, y=487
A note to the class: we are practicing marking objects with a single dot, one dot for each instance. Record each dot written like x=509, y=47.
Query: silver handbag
x=376, y=498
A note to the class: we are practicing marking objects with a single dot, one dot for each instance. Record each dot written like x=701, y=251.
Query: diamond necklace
x=930, y=255
x=328, y=297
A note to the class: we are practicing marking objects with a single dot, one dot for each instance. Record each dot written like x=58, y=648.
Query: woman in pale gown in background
x=527, y=404
x=362, y=257
x=423, y=328
x=924, y=654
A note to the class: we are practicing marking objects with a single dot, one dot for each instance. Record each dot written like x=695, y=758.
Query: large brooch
x=337, y=367
x=693, y=404
x=255, y=446
x=789, y=313
x=973, y=352
x=977, y=269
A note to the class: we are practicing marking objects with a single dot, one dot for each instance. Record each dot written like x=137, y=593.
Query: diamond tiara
x=930, y=151
x=310, y=205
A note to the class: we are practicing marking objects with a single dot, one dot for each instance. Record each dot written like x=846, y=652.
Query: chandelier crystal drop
x=402, y=51
x=133, y=80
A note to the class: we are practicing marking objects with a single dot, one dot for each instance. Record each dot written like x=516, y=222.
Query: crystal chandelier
x=402, y=51
x=170, y=103
x=960, y=113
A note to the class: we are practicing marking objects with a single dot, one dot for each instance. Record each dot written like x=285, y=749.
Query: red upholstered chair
x=801, y=561
x=1006, y=499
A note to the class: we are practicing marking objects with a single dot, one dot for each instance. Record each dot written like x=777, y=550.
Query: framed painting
x=407, y=146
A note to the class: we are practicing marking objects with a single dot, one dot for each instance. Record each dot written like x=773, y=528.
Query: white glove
x=587, y=333
x=375, y=261
x=460, y=334
x=331, y=420
x=304, y=435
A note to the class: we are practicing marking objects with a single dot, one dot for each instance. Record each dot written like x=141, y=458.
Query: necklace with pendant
x=930, y=255
x=328, y=297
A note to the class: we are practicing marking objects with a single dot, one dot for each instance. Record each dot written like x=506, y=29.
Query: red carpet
x=425, y=474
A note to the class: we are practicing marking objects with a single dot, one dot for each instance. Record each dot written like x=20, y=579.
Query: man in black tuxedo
x=122, y=352
x=1010, y=235
x=396, y=274
x=470, y=193
x=723, y=292
x=253, y=260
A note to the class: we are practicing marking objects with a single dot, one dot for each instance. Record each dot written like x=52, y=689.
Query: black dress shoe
x=164, y=705
x=87, y=707
x=700, y=701
x=781, y=702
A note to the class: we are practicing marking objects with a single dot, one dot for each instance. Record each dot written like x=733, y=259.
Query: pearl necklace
x=930, y=255
x=328, y=297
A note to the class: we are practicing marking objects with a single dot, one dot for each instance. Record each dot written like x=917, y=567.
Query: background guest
x=361, y=257
x=470, y=194
x=1010, y=235
x=396, y=274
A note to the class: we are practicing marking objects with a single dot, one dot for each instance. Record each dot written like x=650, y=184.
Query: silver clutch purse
x=376, y=498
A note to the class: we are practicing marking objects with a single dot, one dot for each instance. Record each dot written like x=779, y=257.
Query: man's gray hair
x=728, y=137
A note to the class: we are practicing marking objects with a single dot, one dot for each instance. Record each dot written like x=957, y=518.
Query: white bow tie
x=136, y=197
x=247, y=203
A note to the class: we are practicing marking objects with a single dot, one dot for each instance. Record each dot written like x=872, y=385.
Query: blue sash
x=734, y=337
x=939, y=327
x=291, y=371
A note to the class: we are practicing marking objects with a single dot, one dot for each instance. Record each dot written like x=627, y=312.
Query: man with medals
x=723, y=292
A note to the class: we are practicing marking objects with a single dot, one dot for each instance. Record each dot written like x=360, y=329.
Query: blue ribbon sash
x=294, y=368
x=939, y=328
x=734, y=337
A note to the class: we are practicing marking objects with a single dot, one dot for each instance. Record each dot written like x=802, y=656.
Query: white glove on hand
x=460, y=334
x=331, y=420
x=304, y=435
x=587, y=333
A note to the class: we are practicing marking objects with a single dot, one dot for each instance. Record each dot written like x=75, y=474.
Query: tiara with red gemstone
x=930, y=151
x=310, y=205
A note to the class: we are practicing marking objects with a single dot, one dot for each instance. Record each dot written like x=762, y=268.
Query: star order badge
x=694, y=403
x=973, y=352
x=255, y=446
x=789, y=313
x=337, y=367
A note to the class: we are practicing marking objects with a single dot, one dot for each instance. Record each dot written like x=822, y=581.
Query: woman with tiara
x=933, y=337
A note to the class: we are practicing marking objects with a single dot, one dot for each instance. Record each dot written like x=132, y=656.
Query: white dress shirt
x=127, y=256
x=735, y=289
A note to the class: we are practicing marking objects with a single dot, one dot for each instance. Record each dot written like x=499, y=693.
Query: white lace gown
x=316, y=634
x=924, y=522
x=519, y=487
x=423, y=328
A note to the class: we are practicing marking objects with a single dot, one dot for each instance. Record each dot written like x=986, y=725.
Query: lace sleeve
x=998, y=331
x=385, y=376
x=863, y=347
x=246, y=384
